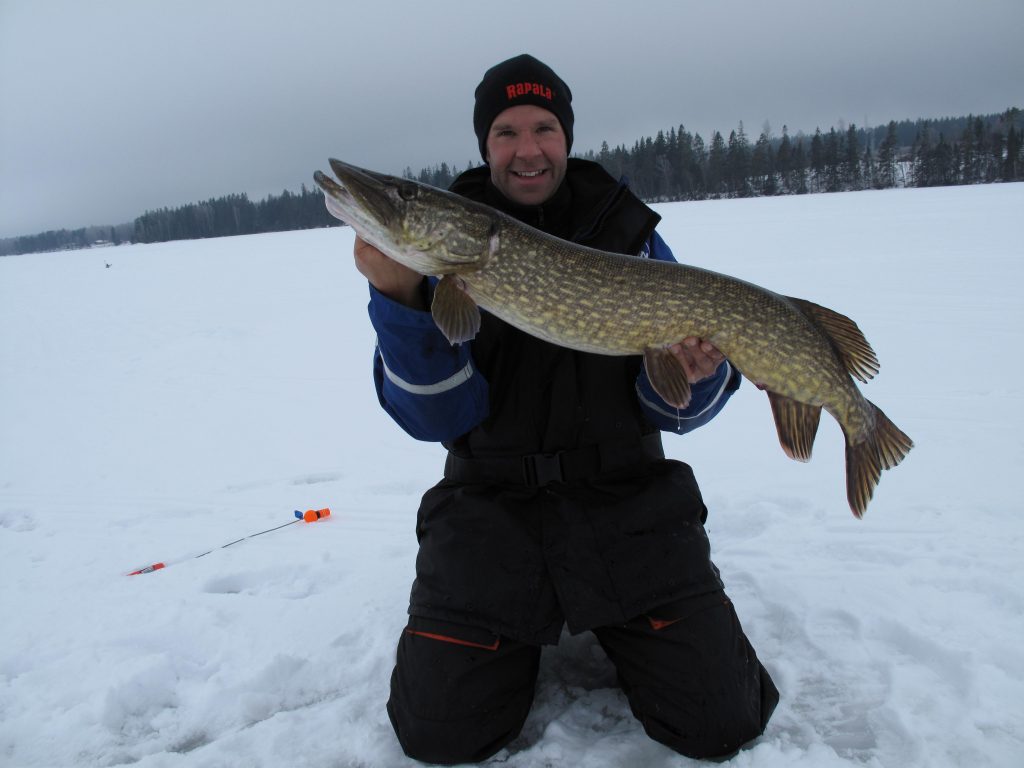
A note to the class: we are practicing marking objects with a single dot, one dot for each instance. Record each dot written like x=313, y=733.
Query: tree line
x=217, y=217
x=234, y=215
x=673, y=165
x=67, y=239
x=678, y=165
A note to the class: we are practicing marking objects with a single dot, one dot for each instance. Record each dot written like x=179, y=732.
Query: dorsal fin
x=853, y=349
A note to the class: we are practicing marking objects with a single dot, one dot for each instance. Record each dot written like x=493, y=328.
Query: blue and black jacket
x=438, y=392
x=521, y=560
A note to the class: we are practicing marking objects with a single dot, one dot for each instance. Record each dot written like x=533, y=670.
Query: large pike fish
x=803, y=355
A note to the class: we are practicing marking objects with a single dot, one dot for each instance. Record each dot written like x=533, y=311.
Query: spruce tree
x=717, y=166
x=784, y=161
x=885, y=171
x=817, y=161
x=739, y=163
x=762, y=165
x=851, y=171
x=833, y=172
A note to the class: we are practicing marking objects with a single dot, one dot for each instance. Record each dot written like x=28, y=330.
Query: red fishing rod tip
x=148, y=569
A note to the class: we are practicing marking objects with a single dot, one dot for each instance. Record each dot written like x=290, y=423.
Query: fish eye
x=406, y=191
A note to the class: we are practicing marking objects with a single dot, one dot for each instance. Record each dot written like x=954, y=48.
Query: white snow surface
x=197, y=392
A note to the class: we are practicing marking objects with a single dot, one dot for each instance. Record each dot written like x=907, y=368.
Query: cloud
x=110, y=109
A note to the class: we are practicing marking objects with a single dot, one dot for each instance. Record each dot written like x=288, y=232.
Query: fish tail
x=884, y=447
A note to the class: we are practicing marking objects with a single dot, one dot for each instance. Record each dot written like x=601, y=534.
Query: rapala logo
x=523, y=89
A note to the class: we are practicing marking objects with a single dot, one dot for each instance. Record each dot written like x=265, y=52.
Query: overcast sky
x=109, y=108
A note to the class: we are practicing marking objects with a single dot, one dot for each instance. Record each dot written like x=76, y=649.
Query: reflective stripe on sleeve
x=451, y=382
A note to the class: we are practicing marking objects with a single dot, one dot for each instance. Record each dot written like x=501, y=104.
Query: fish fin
x=797, y=424
x=668, y=376
x=454, y=312
x=856, y=354
x=884, y=447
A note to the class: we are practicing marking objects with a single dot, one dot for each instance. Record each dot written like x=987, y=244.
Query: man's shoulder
x=595, y=188
x=614, y=219
x=471, y=183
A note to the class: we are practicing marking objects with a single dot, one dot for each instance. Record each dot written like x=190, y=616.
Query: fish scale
x=574, y=297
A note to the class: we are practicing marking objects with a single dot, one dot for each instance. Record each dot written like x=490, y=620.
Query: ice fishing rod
x=309, y=516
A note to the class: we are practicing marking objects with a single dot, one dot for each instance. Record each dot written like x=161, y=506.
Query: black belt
x=539, y=469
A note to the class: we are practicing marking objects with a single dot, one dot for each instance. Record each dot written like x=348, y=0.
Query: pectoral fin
x=455, y=313
x=668, y=376
x=797, y=424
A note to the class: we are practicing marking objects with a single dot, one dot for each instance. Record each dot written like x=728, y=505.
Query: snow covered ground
x=196, y=392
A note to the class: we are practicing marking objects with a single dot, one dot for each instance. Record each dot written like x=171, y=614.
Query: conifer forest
x=673, y=165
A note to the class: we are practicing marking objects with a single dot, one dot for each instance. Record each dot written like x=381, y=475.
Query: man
x=557, y=506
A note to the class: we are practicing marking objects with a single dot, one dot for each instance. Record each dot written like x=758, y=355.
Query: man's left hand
x=700, y=358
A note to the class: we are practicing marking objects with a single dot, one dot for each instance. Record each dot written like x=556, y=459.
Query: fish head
x=429, y=230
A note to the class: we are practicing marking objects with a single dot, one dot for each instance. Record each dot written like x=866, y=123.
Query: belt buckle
x=542, y=468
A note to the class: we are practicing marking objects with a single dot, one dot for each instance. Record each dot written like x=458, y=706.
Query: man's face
x=527, y=154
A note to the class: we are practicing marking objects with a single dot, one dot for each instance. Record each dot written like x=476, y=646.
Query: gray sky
x=109, y=108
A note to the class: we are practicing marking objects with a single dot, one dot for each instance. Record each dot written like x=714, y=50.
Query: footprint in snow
x=265, y=583
x=17, y=520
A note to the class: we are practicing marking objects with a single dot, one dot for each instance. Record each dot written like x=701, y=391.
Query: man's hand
x=394, y=280
x=700, y=358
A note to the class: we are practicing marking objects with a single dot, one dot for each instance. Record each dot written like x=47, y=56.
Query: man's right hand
x=394, y=280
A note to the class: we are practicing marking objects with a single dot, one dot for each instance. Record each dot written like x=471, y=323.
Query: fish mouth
x=359, y=197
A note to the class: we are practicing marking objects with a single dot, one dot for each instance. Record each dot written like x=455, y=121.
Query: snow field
x=194, y=393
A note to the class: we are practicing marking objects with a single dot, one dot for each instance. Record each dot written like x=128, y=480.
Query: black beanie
x=522, y=80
